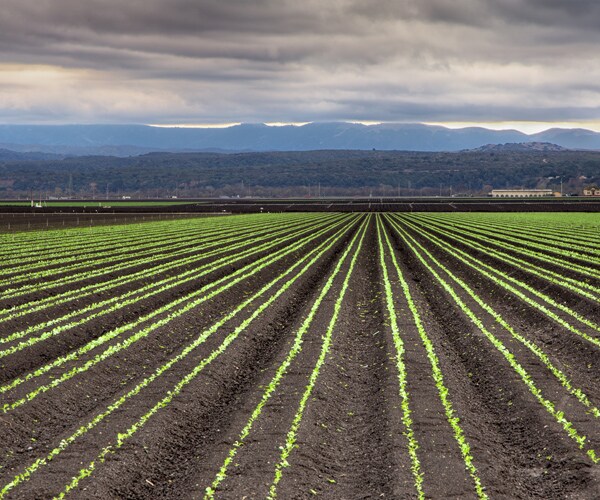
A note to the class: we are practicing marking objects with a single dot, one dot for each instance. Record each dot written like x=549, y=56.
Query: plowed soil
x=351, y=440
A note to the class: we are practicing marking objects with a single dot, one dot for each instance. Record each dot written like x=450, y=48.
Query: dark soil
x=351, y=442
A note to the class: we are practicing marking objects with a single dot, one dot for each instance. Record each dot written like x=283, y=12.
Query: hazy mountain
x=124, y=150
x=570, y=138
x=11, y=155
x=128, y=140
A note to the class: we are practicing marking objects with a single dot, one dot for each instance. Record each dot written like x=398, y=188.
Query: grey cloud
x=284, y=60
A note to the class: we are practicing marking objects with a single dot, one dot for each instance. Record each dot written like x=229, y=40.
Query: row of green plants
x=578, y=286
x=165, y=314
x=55, y=241
x=111, y=261
x=237, y=244
x=536, y=246
x=93, y=253
x=291, y=437
x=438, y=377
x=529, y=344
x=39, y=254
x=526, y=230
x=406, y=418
x=280, y=373
x=70, y=279
x=557, y=225
x=504, y=280
x=560, y=261
x=227, y=244
x=305, y=263
x=559, y=416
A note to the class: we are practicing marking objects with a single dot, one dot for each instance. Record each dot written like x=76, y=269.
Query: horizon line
x=525, y=127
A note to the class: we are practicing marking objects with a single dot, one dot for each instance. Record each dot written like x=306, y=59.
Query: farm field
x=303, y=355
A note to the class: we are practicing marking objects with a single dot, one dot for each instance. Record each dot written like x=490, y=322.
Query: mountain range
x=132, y=140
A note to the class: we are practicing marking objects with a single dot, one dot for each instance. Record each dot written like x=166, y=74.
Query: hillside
x=520, y=146
x=126, y=140
x=297, y=173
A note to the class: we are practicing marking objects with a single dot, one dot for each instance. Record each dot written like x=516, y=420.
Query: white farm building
x=520, y=193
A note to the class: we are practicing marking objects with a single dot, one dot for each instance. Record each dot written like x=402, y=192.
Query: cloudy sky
x=227, y=61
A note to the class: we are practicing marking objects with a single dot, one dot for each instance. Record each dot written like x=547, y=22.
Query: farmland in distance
x=301, y=355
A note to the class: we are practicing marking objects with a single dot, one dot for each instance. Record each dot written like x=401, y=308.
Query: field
x=303, y=355
x=95, y=204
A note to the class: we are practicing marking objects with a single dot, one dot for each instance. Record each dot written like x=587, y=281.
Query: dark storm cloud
x=284, y=60
x=576, y=14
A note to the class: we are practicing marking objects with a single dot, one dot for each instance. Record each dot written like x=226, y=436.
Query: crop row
x=584, y=269
x=280, y=284
x=546, y=304
x=236, y=246
x=280, y=373
x=578, y=286
x=236, y=243
x=261, y=260
x=36, y=245
x=431, y=264
x=549, y=227
x=159, y=317
x=99, y=271
x=155, y=240
x=453, y=420
x=535, y=246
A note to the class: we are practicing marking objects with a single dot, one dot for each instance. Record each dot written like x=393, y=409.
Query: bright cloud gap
x=526, y=127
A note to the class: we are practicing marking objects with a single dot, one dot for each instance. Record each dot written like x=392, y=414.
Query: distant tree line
x=312, y=173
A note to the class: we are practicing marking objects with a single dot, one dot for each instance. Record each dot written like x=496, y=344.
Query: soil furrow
x=444, y=469
x=574, y=355
x=521, y=449
x=265, y=337
x=334, y=356
x=350, y=443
